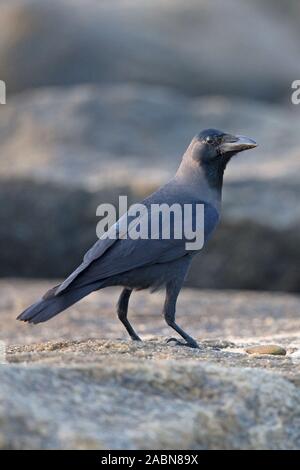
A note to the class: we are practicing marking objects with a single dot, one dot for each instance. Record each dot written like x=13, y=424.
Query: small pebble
x=267, y=349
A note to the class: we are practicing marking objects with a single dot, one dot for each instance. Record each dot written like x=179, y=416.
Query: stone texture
x=136, y=405
x=61, y=390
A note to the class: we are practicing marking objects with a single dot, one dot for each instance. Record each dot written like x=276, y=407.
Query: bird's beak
x=237, y=144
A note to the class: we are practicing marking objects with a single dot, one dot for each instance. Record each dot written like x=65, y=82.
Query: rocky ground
x=77, y=382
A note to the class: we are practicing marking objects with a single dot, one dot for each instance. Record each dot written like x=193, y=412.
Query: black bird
x=152, y=263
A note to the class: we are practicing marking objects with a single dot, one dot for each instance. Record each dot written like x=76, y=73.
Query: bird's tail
x=51, y=305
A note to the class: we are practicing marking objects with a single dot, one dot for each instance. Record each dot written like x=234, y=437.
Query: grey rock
x=93, y=135
x=61, y=390
x=185, y=405
x=238, y=48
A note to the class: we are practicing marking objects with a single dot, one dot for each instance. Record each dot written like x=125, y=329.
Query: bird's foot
x=190, y=344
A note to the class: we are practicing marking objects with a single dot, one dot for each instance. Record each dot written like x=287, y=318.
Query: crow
x=152, y=263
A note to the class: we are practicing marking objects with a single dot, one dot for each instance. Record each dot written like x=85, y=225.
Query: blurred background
x=103, y=96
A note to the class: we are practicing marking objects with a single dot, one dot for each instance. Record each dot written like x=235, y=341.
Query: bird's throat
x=206, y=182
x=214, y=174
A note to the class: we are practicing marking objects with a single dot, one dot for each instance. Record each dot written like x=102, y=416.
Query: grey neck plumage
x=205, y=182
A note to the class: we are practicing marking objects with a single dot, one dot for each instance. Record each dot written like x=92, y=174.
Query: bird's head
x=211, y=146
x=212, y=149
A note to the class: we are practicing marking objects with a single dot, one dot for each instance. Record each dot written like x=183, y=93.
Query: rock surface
x=234, y=47
x=62, y=390
x=94, y=135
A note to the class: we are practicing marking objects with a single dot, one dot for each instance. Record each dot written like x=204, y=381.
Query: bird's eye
x=209, y=139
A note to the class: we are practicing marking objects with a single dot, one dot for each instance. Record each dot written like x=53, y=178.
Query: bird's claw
x=176, y=341
x=191, y=344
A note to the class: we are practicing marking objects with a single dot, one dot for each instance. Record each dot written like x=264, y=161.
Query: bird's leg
x=172, y=291
x=122, y=309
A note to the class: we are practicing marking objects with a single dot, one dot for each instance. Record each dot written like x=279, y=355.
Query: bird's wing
x=96, y=251
x=109, y=257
